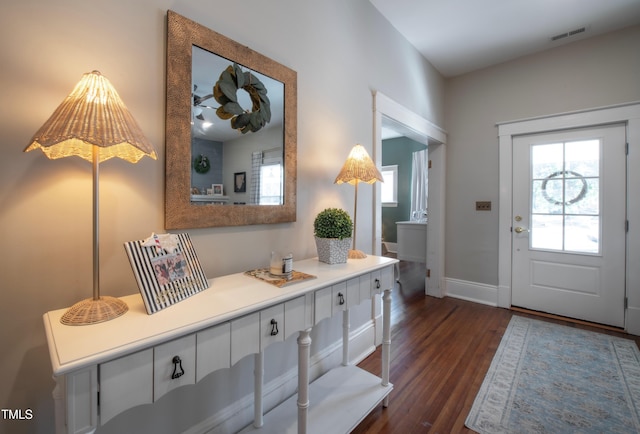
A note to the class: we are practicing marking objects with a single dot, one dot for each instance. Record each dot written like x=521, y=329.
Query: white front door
x=569, y=223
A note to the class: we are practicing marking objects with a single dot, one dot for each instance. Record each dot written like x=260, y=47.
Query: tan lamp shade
x=92, y=115
x=358, y=168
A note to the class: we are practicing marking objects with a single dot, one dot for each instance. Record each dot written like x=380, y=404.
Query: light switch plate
x=483, y=206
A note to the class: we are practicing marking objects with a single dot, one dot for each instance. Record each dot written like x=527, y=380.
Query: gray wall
x=597, y=72
x=214, y=152
x=341, y=50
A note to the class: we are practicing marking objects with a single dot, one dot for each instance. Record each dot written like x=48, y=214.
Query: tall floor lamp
x=94, y=124
x=358, y=168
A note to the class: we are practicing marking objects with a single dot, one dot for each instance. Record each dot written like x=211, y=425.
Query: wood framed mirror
x=205, y=155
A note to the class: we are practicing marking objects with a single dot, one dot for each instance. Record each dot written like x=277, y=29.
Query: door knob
x=520, y=230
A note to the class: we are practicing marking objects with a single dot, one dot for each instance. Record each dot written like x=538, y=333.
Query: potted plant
x=332, y=229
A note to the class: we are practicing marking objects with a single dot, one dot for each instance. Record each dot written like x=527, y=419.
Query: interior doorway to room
x=404, y=195
x=393, y=118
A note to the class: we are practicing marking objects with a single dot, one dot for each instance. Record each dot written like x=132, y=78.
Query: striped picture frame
x=165, y=278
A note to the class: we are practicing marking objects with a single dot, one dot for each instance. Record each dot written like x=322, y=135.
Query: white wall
x=342, y=50
x=597, y=72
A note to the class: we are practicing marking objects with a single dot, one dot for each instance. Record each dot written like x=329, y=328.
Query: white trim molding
x=627, y=114
x=435, y=137
x=472, y=291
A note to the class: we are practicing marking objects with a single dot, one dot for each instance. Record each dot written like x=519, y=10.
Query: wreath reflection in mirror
x=225, y=92
x=201, y=164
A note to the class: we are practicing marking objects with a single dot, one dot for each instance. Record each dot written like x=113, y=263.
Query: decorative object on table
x=217, y=189
x=332, y=229
x=265, y=275
x=240, y=182
x=225, y=92
x=94, y=124
x=358, y=168
x=547, y=377
x=166, y=269
x=281, y=264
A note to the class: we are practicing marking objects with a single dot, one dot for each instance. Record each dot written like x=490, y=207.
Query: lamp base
x=92, y=311
x=356, y=254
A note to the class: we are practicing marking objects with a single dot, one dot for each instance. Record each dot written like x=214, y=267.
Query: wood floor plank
x=441, y=350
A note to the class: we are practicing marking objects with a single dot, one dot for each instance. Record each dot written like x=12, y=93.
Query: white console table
x=131, y=360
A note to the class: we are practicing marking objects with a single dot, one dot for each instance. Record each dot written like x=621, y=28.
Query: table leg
x=258, y=373
x=304, y=349
x=346, y=326
x=386, y=340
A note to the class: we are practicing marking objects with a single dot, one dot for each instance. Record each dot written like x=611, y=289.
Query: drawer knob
x=340, y=299
x=377, y=283
x=177, y=362
x=274, y=327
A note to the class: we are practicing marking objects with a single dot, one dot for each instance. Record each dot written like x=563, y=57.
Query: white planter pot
x=333, y=250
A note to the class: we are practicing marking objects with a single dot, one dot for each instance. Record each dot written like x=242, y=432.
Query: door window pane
x=565, y=196
x=589, y=204
x=583, y=157
x=544, y=160
x=582, y=233
x=546, y=232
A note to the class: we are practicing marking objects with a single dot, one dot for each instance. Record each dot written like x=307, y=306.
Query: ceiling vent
x=568, y=34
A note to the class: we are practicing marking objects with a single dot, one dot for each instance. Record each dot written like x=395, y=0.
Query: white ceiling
x=459, y=36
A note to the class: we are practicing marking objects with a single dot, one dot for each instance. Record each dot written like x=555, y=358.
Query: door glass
x=565, y=196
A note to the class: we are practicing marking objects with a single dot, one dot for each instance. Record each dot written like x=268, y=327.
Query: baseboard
x=239, y=414
x=472, y=291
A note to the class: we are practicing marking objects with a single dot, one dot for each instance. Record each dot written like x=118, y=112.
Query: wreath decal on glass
x=225, y=92
x=578, y=198
x=201, y=164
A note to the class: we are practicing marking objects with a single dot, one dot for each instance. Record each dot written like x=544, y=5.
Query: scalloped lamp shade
x=94, y=124
x=358, y=168
x=93, y=115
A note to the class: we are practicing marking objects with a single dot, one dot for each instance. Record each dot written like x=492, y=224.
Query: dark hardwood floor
x=441, y=350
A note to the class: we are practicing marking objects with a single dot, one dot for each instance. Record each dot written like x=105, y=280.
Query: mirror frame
x=180, y=212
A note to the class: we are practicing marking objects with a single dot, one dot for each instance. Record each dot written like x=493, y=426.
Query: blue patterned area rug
x=549, y=378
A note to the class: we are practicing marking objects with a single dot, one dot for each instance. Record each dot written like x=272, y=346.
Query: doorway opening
x=391, y=116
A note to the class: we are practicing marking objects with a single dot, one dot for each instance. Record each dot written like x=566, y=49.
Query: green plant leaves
x=333, y=223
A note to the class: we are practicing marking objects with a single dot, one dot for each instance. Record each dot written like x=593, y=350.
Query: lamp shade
x=92, y=115
x=358, y=168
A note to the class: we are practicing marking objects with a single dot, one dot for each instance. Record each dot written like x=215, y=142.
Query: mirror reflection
x=231, y=132
x=236, y=133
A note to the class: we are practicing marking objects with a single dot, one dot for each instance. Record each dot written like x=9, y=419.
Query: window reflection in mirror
x=248, y=166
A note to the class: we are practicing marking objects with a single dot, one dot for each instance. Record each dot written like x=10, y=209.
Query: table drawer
x=213, y=350
x=323, y=303
x=271, y=325
x=125, y=383
x=174, y=365
x=245, y=336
